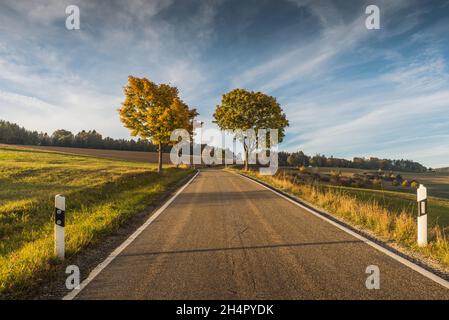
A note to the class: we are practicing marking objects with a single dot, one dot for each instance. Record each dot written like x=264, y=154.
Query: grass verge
x=101, y=195
x=381, y=216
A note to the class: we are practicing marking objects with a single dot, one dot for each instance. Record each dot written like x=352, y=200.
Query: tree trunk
x=159, y=169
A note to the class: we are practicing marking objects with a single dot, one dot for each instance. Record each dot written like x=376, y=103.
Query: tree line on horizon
x=11, y=133
x=299, y=159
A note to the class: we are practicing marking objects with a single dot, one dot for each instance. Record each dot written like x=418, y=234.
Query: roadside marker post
x=422, y=216
x=59, y=226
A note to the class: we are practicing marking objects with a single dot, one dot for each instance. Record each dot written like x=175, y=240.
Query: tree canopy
x=244, y=110
x=153, y=111
x=62, y=137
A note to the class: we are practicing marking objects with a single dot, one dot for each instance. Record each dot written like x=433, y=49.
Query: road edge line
x=404, y=261
x=102, y=265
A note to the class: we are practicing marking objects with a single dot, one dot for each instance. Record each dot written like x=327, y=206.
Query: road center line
x=126, y=243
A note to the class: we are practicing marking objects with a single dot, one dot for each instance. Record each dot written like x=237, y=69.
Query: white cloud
x=373, y=123
x=308, y=60
x=31, y=103
x=130, y=36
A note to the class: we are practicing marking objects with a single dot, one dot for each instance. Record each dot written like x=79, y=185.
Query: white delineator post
x=422, y=216
x=59, y=226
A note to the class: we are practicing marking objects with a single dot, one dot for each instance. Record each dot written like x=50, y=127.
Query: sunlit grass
x=101, y=195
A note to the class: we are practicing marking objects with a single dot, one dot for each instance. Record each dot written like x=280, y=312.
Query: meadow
x=391, y=215
x=437, y=182
x=101, y=195
x=392, y=198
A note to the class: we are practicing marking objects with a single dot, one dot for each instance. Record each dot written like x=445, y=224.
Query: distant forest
x=11, y=133
x=297, y=159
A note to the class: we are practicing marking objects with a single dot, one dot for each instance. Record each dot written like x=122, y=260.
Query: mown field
x=101, y=194
x=135, y=156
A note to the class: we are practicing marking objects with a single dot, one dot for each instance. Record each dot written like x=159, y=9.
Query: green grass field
x=100, y=194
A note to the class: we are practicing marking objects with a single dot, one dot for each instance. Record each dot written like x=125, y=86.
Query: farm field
x=101, y=194
x=437, y=183
x=136, y=156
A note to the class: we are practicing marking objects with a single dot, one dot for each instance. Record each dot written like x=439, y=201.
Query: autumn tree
x=244, y=110
x=153, y=111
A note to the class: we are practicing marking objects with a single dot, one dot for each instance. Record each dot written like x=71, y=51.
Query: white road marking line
x=389, y=253
x=127, y=242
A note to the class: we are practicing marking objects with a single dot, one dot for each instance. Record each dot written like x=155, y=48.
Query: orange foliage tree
x=153, y=111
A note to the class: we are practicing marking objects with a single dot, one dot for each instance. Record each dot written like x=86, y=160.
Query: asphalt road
x=225, y=237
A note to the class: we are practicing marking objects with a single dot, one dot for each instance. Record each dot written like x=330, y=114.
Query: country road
x=225, y=237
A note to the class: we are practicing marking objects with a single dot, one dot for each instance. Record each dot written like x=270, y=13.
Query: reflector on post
x=59, y=226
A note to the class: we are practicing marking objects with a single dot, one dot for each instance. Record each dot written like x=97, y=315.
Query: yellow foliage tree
x=153, y=111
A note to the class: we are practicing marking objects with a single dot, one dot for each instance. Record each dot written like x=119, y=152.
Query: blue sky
x=346, y=90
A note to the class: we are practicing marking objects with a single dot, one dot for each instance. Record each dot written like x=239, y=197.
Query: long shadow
x=288, y=245
x=226, y=196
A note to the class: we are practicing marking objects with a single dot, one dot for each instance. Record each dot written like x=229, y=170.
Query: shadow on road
x=228, y=196
x=288, y=245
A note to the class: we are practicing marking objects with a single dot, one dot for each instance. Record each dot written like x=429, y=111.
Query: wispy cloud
x=398, y=113
x=82, y=73
x=429, y=72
